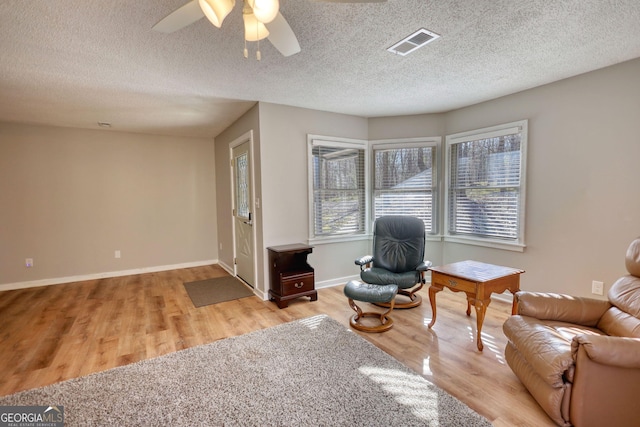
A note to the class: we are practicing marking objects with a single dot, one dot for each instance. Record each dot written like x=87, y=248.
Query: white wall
x=284, y=183
x=582, y=207
x=280, y=157
x=69, y=198
x=249, y=122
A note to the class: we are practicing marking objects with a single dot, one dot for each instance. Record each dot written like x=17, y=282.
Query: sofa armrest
x=562, y=308
x=606, y=383
x=621, y=352
x=364, y=261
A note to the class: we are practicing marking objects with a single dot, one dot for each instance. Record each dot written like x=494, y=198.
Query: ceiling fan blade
x=282, y=37
x=180, y=18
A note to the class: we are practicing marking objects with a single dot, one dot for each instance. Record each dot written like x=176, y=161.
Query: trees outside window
x=486, y=185
x=353, y=182
x=405, y=180
x=337, y=174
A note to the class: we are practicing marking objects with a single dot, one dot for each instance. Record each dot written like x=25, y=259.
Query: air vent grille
x=413, y=41
x=421, y=38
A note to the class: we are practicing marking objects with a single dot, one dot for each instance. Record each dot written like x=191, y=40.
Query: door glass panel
x=242, y=185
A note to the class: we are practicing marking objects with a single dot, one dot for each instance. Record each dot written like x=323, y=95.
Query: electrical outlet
x=28, y=262
x=597, y=288
x=117, y=254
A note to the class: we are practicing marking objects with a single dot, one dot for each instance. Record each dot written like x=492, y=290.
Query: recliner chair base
x=386, y=322
x=414, y=300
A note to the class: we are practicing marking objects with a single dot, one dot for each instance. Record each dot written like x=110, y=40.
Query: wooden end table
x=290, y=274
x=478, y=280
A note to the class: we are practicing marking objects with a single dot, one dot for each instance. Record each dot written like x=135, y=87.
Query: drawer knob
x=453, y=283
x=299, y=285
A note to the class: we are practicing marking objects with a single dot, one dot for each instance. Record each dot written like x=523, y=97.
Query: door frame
x=246, y=137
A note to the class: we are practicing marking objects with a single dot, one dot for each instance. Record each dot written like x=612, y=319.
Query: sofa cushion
x=623, y=319
x=625, y=294
x=617, y=323
x=632, y=258
x=546, y=344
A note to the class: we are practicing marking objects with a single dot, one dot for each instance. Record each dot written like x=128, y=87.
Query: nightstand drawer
x=298, y=283
x=453, y=282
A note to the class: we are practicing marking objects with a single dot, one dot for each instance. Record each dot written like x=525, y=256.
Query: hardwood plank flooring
x=54, y=333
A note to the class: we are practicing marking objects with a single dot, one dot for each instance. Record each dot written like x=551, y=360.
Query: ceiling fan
x=262, y=19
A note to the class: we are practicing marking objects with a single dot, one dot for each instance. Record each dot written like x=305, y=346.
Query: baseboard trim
x=226, y=267
x=229, y=269
x=504, y=297
x=336, y=282
x=80, y=278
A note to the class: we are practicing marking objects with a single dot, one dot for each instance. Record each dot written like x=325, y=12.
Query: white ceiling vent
x=413, y=41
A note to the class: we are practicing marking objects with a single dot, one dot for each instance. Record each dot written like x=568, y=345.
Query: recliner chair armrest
x=606, y=383
x=564, y=308
x=424, y=266
x=622, y=352
x=365, y=260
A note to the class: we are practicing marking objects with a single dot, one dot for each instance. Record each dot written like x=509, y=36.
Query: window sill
x=496, y=244
x=338, y=239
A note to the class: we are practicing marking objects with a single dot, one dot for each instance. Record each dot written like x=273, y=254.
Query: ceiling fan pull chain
x=258, y=56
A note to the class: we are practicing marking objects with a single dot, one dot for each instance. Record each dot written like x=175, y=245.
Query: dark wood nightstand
x=291, y=276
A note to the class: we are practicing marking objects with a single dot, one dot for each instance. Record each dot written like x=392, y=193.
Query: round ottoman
x=366, y=292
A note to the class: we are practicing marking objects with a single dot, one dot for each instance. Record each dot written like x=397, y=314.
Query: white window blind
x=405, y=182
x=486, y=183
x=339, y=198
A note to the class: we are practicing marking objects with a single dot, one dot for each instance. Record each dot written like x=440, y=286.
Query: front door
x=242, y=212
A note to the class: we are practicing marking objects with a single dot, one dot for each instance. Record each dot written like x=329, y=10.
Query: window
x=405, y=179
x=337, y=173
x=485, y=179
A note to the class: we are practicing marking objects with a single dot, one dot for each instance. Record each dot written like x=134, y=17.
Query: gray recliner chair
x=398, y=258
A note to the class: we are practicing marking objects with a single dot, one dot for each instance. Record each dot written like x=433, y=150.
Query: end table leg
x=481, y=309
x=514, y=306
x=432, y=300
x=513, y=289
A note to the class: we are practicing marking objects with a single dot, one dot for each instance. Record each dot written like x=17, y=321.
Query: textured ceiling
x=79, y=62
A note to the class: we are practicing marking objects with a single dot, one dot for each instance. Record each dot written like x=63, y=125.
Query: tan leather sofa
x=580, y=357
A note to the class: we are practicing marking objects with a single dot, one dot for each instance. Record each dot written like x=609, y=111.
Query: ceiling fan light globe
x=216, y=10
x=265, y=11
x=254, y=30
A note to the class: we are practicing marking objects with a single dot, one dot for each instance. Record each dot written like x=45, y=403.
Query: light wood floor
x=54, y=333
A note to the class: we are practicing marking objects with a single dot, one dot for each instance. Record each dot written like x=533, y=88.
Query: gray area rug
x=213, y=291
x=310, y=372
